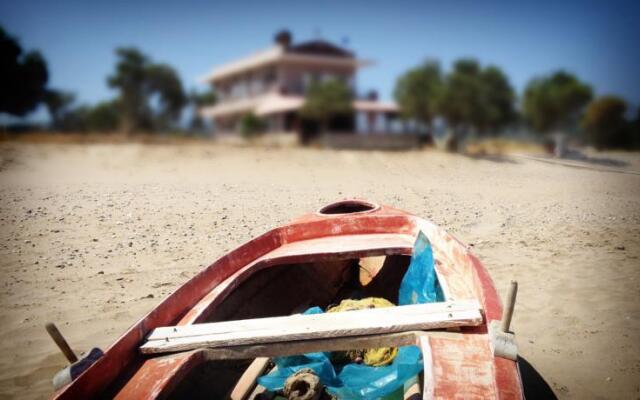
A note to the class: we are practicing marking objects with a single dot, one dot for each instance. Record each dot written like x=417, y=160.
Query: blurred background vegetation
x=470, y=99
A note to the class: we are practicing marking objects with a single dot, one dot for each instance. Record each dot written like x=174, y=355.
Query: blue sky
x=596, y=40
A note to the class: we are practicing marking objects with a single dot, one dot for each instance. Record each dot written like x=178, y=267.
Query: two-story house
x=272, y=84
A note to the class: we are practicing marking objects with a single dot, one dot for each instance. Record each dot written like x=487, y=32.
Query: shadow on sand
x=534, y=385
x=492, y=157
x=576, y=155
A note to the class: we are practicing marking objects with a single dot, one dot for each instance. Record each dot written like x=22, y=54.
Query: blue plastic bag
x=358, y=381
x=364, y=382
x=420, y=283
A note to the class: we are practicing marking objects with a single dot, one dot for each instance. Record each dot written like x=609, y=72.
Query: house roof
x=320, y=47
x=316, y=52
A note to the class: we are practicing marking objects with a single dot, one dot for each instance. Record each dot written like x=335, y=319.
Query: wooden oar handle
x=61, y=342
x=507, y=313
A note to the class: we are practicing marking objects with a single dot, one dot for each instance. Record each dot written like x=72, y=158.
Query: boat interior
x=282, y=290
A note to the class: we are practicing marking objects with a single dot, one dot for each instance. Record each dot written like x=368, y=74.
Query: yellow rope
x=373, y=357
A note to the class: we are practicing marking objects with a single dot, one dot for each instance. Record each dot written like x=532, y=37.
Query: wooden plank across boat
x=198, y=342
x=267, y=331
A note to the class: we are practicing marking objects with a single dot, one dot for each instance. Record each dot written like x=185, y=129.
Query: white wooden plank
x=319, y=326
x=338, y=318
x=303, y=329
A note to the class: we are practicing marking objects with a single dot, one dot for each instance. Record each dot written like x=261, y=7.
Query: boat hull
x=463, y=367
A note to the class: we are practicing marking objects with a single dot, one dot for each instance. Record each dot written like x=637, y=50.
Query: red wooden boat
x=309, y=260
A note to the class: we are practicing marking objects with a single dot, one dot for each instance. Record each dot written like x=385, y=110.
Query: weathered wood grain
x=317, y=326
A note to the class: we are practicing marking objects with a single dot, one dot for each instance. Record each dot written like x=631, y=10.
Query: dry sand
x=93, y=236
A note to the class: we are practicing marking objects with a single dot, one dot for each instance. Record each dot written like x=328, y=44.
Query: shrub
x=251, y=126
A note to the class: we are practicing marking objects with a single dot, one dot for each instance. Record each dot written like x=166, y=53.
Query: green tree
x=554, y=102
x=476, y=97
x=498, y=98
x=23, y=77
x=251, y=126
x=151, y=95
x=419, y=92
x=605, y=124
x=103, y=117
x=326, y=100
x=59, y=105
x=199, y=100
x=164, y=82
x=203, y=99
x=131, y=80
x=461, y=102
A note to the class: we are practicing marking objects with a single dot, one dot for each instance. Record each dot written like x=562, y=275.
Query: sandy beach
x=92, y=236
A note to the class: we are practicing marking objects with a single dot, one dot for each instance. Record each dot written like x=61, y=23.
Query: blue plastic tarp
x=358, y=381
